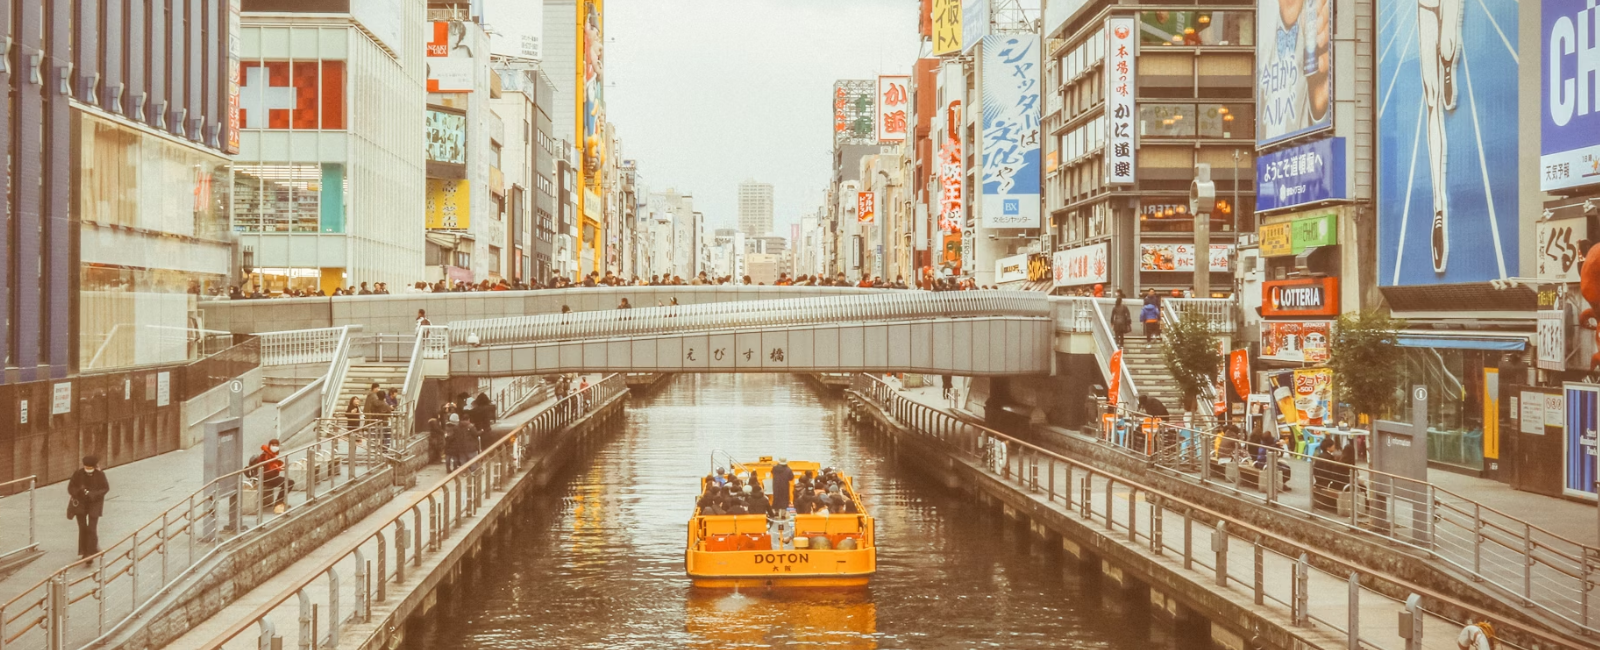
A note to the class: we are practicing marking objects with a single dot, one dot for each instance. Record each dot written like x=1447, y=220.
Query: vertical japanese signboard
x=853, y=111
x=946, y=27
x=1121, y=48
x=592, y=82
x=866, y=208
x=232, y=144
x=950, y=172
x=1552, y=339
x=1012, y=158
x=892, y=105
x=1557, y=249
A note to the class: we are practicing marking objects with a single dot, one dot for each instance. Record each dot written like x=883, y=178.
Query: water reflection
x=601, y=564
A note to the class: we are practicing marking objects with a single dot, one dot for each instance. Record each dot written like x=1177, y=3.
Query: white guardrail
x=754, y=313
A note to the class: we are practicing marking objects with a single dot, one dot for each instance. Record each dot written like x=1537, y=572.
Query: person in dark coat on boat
x=87, y=491
x=782, y=476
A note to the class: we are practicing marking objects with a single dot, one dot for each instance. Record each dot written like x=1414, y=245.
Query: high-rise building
x=755, y=208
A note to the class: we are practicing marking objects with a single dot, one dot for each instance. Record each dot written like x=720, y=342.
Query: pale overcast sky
x=706, y=93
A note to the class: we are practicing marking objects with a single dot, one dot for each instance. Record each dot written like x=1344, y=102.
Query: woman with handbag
x=87, y=491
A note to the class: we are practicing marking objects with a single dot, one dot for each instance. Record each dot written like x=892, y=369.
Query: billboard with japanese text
x=1082, y=265
x=893, y=103
x=1121, y=48
x=1301, y=174
x=1447, y=116
x=952, y=177
x=854, y=108
x=946, y=27
x=591, y=86
x=1012, y=159
x=1294, y=68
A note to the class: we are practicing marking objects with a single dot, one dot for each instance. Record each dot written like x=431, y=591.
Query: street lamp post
x=1202, y=200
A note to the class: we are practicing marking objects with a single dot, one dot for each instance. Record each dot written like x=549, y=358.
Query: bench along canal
x=597, y=561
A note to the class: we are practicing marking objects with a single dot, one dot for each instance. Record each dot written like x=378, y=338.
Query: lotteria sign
x=1300, y=297
x=1569, y=140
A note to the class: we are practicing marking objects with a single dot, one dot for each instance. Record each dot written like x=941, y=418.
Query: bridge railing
x=887, y=305
x=300, y=346
x=1080, y=314
x=80, y=603
x=1091, y=492
x=390, y=548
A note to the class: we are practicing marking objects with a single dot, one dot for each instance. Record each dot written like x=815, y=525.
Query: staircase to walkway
x=362, y=375
x=1149, y=369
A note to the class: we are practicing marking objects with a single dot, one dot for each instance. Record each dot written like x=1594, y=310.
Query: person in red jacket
x=275, y=484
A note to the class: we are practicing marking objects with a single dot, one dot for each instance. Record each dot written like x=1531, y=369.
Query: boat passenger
x=781, y=477
x=720, y=478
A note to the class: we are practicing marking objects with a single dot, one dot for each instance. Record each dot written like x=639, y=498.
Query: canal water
x=599, y=564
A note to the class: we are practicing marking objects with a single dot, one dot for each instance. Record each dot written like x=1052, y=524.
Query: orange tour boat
x=738, y=539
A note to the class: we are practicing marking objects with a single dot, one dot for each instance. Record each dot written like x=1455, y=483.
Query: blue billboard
x=1569, y=138
x=1302, y=174
x=1580, y=443
x=1447, y=142
x=1012, y=169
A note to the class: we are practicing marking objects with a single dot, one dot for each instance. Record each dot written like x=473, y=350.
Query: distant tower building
x=755, y=208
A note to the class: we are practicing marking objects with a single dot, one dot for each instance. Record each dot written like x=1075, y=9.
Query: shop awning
x=1467, y=341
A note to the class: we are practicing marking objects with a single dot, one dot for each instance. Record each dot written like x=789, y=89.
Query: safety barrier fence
x=87, y=599
x=342, y=590
x=16, y=496
x=429, y=340
x=519, y=391
x=300, y=346
x=1278, y=573
x=1525, y=563
x=889, y=305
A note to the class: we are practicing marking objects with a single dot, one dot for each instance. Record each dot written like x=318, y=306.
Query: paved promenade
x=140, y=491
x=1577, y=521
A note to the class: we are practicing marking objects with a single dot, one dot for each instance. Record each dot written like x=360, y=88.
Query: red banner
x=1239, y=370
x=1115, y=381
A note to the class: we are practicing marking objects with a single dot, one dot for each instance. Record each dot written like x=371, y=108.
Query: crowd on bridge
x=595, y=280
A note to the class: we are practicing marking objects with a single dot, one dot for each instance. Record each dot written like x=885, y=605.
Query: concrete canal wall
x=407, y=605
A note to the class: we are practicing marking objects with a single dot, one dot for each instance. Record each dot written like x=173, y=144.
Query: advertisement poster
x=1121, y=80
x=1012, y=159
x=445, y=135
x=1295, y=341
x=234, y=80
x=592, y=17
x=1446, y=214
x=946, y=27
x=1569, y=140
x=1082, y=265
x=1304, y=397
x=1294, y=68
x=866, y=207
x=892, y=104
x=1301, y=174
x=1582, y=421
x=450, y=57
x=61, y=398
x=1180, y=257
x=448, y=205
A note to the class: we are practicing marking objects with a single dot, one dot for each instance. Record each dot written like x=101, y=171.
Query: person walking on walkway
x=1150, y=315
x=1121, y=320
x=87, y=491
x=274, y=484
